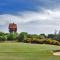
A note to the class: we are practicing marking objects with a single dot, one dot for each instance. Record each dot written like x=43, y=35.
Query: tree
x=22, y=36
x=51, y=36
x=29, y=36
x=57, y=37
x=35, y=36
x=3, y=37
x=42, y=36
x=12, y=36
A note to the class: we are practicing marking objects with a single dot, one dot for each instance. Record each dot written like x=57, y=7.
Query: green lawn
x=23, y=51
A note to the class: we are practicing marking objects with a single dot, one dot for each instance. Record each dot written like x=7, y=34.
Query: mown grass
x=23, y=51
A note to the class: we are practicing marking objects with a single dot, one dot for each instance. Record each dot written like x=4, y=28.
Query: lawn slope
x=23, y=51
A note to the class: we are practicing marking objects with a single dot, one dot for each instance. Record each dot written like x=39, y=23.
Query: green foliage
x=51, y=36
x=22, y=36
x=12, y=37
x=42, y=36
x=57, y=37
x=3, y=37
x=31, y=38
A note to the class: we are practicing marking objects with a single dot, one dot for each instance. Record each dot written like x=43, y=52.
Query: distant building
x=55, y=32
x=12, y=27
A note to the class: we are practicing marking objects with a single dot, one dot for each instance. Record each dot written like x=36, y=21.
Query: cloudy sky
x=32, y=16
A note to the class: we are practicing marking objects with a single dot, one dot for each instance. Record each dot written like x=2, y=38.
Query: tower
x=12, y=27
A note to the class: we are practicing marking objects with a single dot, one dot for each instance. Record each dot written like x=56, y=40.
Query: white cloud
x=33, y=22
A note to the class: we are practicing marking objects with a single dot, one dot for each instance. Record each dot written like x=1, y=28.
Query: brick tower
x=12, y=27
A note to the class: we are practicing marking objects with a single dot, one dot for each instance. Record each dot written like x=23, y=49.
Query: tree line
x=53, y=39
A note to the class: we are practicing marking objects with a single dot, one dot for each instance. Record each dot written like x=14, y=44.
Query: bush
x=28, y=40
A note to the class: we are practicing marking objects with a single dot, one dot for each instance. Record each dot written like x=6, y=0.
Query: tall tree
x=22, y=36
x=12, y=36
